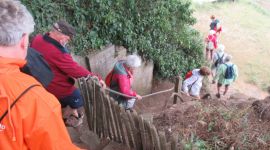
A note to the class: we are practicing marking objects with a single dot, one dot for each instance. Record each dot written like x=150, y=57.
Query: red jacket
x=219, y=30
x=212, y=38
x=64, y=68
x=120, y=79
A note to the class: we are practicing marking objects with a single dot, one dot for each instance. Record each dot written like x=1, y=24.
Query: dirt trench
x=228, y=123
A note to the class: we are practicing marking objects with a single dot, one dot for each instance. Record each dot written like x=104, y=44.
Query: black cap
x=65, y=28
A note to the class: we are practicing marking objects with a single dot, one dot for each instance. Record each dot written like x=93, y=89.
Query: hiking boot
x=218, y=95
x=130, y=109
x=206, y=96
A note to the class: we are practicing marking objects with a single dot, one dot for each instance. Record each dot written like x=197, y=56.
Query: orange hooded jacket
x=35, y=121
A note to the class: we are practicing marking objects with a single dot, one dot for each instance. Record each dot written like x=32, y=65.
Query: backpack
x=229, y=73
x=38, y=67
x=16, y=100
x=210, y=43
x=108, y=79
x=213, y=24
x=219, y=60
x=188, y=75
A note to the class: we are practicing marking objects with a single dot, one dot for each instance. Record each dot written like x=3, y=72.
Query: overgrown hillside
x=246, y=36
x=158, y=30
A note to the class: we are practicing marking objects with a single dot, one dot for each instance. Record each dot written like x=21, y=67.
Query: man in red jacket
x=52, y=46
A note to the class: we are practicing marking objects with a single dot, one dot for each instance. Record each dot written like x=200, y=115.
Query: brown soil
x=226, y=123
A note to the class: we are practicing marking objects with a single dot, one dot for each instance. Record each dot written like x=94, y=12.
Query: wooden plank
x=121, y=125
x=98, y=111
x=150, y=141
x=162, y=139
x=114, y=107
x=173, y=144
x=176, y=88
x=128, y=130
x=108, y=116
x=102, y=110
x=82, y=85
x=113, y=131
x=124, y=127
x=95, y=107
x=142, y=131
x=89, y=100
x=135, y=130
x=155, y=137
x=138, y=133
x=89, y=88
x=105, y=114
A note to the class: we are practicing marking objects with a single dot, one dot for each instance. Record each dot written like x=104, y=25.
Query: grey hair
x=133, y=61
x=15, y=20
x=228, y=58
x=221, y=48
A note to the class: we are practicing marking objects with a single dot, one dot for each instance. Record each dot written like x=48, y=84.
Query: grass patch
x=246, y=36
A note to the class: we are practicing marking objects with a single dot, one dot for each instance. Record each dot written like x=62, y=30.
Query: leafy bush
x=156, y=29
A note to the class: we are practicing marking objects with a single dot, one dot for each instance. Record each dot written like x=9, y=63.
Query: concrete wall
x=144, y=78
x=103, y=61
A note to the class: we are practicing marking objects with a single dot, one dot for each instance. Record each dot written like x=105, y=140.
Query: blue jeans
x=74, y=100
x=127, y=104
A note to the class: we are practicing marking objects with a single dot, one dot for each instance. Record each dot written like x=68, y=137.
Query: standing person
x=30, y=117
x=226, y=75
x=218, y=59
x=120, y=79
x=211, y=44
x=215, y=25
x=193, y=81
x=52, y=46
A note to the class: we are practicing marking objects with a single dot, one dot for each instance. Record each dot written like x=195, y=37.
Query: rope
x=95, y=79
x=121, y=94
x=159, y=92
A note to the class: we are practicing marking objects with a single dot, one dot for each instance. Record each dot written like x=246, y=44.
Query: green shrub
x=156, y=29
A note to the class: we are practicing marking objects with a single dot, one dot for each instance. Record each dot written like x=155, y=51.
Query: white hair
x=15, y=20
x=211, y=32
x=228, y=58
x=221, y=48
x=133, y=61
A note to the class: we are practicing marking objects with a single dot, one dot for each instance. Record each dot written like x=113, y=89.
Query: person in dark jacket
x=215, y=25
x=120, y=79
x=53, y=48
x=37, y=67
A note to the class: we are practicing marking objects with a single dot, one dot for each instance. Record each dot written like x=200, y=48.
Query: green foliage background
x=156, y=29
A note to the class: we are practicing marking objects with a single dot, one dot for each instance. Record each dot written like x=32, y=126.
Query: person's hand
x=102, y=83
x=138, y=97
x=187, y=94
x=184, y=93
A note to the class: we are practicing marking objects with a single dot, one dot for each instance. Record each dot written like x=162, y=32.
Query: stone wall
x=144, y=78
x=103, y=61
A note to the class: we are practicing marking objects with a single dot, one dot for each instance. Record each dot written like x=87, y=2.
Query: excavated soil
x=235, y=121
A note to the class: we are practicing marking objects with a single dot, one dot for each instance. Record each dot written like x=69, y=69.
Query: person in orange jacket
x=30, y=117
